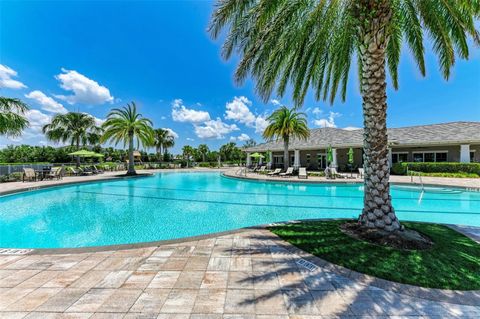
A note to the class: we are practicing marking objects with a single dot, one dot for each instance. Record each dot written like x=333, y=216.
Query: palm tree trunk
x=78, y=148
x=377, y=211
x=159, y=153
x=131, y=159
x=285, y=154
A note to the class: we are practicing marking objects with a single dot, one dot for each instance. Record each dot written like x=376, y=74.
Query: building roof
x=422, y=135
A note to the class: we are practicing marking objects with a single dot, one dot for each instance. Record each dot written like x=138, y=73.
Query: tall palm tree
x=76, y=128
x=12, y=116
x=311, y=44
x=284, y=124
x=126, y=125
x=160, y=136
x=203, y=150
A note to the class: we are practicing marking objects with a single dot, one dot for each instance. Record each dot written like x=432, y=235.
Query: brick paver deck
x=249, y=274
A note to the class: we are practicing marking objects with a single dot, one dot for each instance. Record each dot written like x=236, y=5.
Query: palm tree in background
x=127, y=125
x=311, y=44
x=12, y=116
x=160, y=136
x=187, y=151
x=284, y=124
x=77, y=129
x=249, y=143
x=169, y=143
x=203, y=150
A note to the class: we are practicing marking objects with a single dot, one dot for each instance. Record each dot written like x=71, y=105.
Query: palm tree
x=311, y=44
x=203, y=150
x=76, y=128
x=284, y=124
x=169, y=143
x=12, y=119
x=160, y=136
x=126, y=125
x=187, y=151
x=249, y=143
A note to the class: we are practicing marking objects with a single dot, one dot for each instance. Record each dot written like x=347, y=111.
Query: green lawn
x=452, y=263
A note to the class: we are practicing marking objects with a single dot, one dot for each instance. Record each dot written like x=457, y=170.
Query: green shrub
x=443, y=167
x=208, y=164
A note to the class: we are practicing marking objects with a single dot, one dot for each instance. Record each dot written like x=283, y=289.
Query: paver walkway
x=249, y=274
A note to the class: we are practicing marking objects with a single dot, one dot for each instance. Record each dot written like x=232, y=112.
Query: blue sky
x=91, y=56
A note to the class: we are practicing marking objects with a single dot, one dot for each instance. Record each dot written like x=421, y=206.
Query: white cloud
x=181, y=114
x=261, y=124
x=37, y=119
x=190, y=139
x=243, y=137
x=214, y=129
x=238, y=110
x=171, y=132
x=163, y=118
x=275, y=102
x=328, y=122
x=317, y=111
x=6, y=80
x=47, y=103
x=84, y=90
x=99, y=122
x=351, y=128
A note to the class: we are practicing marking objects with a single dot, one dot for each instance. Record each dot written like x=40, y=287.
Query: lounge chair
x=29, y=174
x=333, y=172
x=361, y=172
x=275, y=172
x=85, y=171
x=302, y=173
x=262, y=169
x=289, y=172
x=96, y=170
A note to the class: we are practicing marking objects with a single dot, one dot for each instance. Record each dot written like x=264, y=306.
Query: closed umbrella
x=329, y=155
x=350, y=160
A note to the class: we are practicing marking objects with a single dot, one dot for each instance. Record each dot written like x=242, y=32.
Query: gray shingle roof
x=434, y=134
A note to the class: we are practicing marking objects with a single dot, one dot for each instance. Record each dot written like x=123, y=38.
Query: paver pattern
x=249, y=274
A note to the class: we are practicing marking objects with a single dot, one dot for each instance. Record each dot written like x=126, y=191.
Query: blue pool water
x=175, y=205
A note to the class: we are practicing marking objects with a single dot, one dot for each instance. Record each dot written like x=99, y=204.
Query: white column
x=334, y=155
x=389, y=157
x=270, y=158
x=465, y=153
x=296, y=161
x=260, y=160
x=249, y=159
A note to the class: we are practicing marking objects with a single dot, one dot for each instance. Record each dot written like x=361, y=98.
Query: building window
x=472, y=156
x=308, y=159
x=440, y=156
x=399, y=157
x=321, y=160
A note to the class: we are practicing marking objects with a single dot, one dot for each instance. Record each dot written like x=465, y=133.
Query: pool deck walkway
x=244, y=274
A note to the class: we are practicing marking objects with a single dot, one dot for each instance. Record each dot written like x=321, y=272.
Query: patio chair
x=275, y=172
x=56, y=173
x=333, y=171
x=96, y=170
x=29, y=174
x=262, y=169
x=302, y=173
x=85, y=171
x=289, y=172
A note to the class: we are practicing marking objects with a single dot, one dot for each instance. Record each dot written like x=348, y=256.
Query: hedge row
x=443, y=167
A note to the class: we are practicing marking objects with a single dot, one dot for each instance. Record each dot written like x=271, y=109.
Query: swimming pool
x=175, y=205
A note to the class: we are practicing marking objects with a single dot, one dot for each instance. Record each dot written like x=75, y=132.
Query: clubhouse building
x=445, y=142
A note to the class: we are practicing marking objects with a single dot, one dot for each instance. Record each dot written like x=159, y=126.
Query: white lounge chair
x=275, y=172
x=361, y=172
x=29, y=174
x=262, y=169
x=289, y=172
x=334, y=173
x=302, y=173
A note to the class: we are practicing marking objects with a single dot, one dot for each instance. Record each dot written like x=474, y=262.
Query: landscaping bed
x=451, y=262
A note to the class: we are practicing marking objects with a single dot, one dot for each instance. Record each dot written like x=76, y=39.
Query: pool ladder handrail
x=241, y=171
x=419, y=174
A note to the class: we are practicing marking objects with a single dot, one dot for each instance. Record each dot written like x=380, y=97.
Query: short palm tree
x=203, y=150
x=12, y=116
x=284, y=124
x=160, y=137
x=311, y=44
x=187, y=151
x=125, y=125
x=77, y=129
x=169, y=143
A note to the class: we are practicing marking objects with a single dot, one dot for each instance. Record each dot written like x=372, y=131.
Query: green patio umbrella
x=257, y=155
x=329, y=155
x=82, y=153
x=97, y=155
